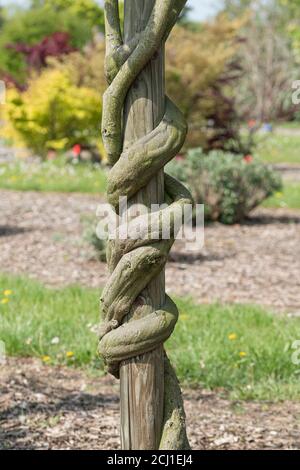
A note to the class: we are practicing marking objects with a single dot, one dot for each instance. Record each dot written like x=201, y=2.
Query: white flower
x=55, y=340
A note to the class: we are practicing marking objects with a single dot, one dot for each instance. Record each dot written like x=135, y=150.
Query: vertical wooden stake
x=142, y=378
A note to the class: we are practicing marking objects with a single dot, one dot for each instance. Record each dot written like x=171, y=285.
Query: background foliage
x=229, y=76
x=229, y=185
x=53, y=113
x=30, y=26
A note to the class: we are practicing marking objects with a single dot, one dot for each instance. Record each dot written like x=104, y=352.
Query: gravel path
x=257, y=262
x=43, y=407
x=289, y=172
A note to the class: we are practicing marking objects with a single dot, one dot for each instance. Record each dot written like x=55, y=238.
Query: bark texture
x=125, y=333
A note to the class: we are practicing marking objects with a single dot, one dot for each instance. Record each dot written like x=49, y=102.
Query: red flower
x=248, y=158
x=76, y=150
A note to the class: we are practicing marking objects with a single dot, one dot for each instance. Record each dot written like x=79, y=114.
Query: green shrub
x=91, y=237
x=229, y=185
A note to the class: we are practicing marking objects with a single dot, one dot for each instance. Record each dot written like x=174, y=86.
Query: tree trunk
x=142, y=384
x=142, y=131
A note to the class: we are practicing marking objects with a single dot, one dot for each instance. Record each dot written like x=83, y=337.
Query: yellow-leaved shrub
x=53, y=113
x=62, y=106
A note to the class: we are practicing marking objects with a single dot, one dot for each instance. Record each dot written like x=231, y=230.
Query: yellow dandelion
x=46, y=358
x=4, y=301
x=242, y=354
x=232, y=336
x=69, y=354
x=279, y=194
x=184, y=317
x=7, y=292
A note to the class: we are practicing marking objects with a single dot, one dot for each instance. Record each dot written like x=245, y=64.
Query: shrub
x=202, y=72
x=200, y=79
x=30, y=27
x=90, y=236
x=229, y=185
x=55, y=45
x=53, y=113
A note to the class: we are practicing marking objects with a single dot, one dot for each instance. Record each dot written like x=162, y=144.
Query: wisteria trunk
x=142, y=130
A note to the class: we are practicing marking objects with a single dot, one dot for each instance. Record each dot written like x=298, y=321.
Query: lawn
x=242, y=350
x=278, y=148
x=288, y=198
x=53, y=176
x=57, y=176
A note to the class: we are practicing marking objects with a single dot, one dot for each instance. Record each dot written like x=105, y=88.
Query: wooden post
x=142, y=378
x=142, y=130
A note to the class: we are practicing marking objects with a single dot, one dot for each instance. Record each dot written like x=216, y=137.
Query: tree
x=202, y=71
x=267, y=61
x=269, y=70
x=152, y=412
x=202, y=80
x=31, y=26
x=290, y=14
x=2, y=17
x=87, y=9
x=236, y=8
x=36, y=56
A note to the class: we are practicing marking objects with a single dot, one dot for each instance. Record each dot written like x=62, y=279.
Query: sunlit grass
x=289, y=197
x=57, y=176
x=240, y=349
x=279, y=149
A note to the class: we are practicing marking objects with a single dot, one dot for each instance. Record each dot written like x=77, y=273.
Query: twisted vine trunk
x=141, y=421
x=142, y=130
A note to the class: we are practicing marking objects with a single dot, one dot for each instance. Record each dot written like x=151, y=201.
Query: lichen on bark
x=133, y=264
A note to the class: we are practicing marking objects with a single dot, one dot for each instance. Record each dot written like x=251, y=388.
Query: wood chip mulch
x=41, y=235
x=43, y=407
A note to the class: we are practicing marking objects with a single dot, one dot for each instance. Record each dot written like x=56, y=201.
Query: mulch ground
x=41, y=235
x=43, y=407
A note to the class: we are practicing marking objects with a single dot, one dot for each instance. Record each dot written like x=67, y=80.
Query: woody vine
x=134, y=263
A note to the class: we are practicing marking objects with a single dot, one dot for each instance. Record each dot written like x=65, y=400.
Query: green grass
x=54, y=176
x=201, y=348
x=288, y=198
x=293, y=125
x=279, y=149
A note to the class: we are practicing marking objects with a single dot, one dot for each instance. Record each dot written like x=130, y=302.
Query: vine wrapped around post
x=134, y=263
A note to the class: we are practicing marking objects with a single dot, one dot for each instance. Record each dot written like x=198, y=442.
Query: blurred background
x=232, y=67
